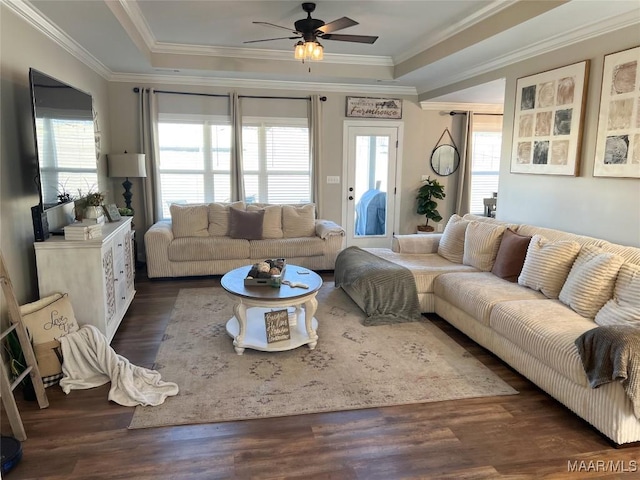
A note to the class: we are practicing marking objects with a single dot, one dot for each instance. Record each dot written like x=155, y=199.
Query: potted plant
x=92, y=204
x=430, y=190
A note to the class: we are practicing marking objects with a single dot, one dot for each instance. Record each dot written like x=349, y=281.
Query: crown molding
x=132, y=10
x=263, y=84
x=587, y=32
x=42, y=24
x=490, y=10
x=466, y=107
x=263, y=54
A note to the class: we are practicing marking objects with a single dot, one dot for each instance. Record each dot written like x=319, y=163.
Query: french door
x=370, y=173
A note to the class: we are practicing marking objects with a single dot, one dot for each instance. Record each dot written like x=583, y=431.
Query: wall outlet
x=440, y=228
x=333, y=179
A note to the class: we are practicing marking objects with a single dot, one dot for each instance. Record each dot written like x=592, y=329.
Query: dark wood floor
x=530, y=435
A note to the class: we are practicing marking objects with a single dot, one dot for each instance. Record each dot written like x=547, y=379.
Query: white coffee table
x=247, y=326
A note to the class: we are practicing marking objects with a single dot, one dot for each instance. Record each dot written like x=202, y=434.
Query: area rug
x=352, y=366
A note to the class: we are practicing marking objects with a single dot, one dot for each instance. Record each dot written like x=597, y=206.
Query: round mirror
x=445, y=160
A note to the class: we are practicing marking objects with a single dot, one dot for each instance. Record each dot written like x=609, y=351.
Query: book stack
x=94, y=221
x=82, y=231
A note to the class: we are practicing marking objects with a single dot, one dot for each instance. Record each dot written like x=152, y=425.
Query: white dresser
x=97, y=274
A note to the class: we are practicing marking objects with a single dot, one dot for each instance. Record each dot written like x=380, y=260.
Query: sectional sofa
x=211, y=239
x=527, y=293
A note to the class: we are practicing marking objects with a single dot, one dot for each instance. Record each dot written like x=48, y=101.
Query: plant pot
x=425, y=228
x=92, y=212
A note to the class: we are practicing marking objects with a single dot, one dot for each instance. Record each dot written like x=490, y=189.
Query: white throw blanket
x=89, y=362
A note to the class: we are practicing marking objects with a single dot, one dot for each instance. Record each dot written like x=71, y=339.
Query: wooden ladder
x=6, y=390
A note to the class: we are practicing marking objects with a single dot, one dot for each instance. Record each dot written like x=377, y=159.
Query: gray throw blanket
x=611, y=353
x=385, y=291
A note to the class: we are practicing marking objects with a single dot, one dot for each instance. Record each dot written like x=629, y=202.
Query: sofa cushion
x=219, y=217
x=299, y=221
x=287, y=247
x=591, y=280
x=547, y=330
x=189, y=220
x=451, y=244
x=272, y=223
x=547, y=264
x=481, y=243
x=478, y=292
x=425, y=267
x=510, y=256
x=624, y=307
x=246, y=225
x=207, y=248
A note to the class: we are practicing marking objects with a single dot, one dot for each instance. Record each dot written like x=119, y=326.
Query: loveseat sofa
x=527, y=293
x=211, y=239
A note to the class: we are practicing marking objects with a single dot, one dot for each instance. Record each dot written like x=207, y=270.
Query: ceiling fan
x=309, y=30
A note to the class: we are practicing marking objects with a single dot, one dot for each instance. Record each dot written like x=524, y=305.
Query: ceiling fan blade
x=269, y=39
x=338, y=24
x=276, y=26
x=350, y=38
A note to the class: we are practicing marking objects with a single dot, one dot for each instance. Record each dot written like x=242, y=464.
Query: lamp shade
x=126, y=165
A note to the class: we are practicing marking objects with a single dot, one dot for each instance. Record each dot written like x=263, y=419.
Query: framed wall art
x=548, y=121
x=367, y=107
x=618, y=137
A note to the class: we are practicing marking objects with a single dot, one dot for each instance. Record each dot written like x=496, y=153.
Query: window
x=195, y=160
x=485, y=166
x=276, y=161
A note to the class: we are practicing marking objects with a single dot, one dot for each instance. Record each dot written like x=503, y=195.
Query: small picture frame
x=112, y=213
x=277, y=325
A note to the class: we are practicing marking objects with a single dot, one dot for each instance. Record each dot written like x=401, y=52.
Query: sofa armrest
x=327, y=228
x=156, y=245
x=416, y=243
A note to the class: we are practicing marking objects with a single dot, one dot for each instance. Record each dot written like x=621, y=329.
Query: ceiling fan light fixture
x=318, y=52
x=299, y=51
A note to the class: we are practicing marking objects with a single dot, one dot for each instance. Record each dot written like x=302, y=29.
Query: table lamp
x=127, y=165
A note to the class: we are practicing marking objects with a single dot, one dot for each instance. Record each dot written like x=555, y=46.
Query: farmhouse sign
x=277, y=325
x=366, y=107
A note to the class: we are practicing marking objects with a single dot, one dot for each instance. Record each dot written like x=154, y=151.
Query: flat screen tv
x=65, y=140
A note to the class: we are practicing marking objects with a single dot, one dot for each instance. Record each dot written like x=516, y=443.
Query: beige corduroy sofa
x=212, y=239
x=568, y=284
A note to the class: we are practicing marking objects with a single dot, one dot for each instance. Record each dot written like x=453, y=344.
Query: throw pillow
x=451, y=244
x=591, y=280
x=219, y=217
x=189, y=220
x=272, y=224
x=624, y=307
x=299, y=221
x=481, y=243
x=46, y=320
x=547, y=264
x=245, y=225
x=510, y=256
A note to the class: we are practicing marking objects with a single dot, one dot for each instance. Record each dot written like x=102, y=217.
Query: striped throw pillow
x=481, y=243
x=451, y=244
x=591, y=280
x=624, y=307
x=547, y=265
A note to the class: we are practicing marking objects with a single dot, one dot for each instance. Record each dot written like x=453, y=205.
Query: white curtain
x=148, y=102
x=237, y=176
x=315, y=144
x=463, y=193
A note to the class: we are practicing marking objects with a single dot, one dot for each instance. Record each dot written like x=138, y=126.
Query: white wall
x=23, y=47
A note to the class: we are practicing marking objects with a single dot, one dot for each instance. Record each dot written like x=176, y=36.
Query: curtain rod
x=322, y=99
x=452, y=113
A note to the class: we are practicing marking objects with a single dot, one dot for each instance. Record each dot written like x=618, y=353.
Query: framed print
x=618, y=137
x=367, y=107
x=111, y=211
x=548, y=121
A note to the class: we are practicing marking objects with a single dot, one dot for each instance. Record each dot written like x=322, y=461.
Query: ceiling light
x=308, y=51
